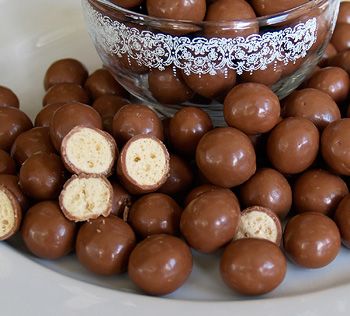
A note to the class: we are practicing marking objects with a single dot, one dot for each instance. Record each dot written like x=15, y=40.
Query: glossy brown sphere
x=10, y=182
x=70, y=115
x=121, y=200
x=7, y=164
x=104, y=245
x=46, y=232
x=318, y=191
x=329, y=53
x=136, y=119
x=66, y=93
x=341, y=37
x=311, y=240
x=252, y=108
x=12, y=123
x=267, y=76
x=226, y=157
x=293, y=145
x=211, y=220
x=332, y=80
x=187, y=127
x=268, y=7
x=160, y=264
x=341, y=60
x=270, y=189
x=66, y=70
x=197, y=191
x=253, y=266
x=344, y=13
x=155, y=213
x=8, y=97
x=45, y=115
x=342, y=219
x=42, y=176
x=30, y=142
x=168, y=87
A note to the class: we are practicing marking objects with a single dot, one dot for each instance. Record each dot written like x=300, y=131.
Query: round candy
x=342, y=219
x=196, y=192
x=252, y=108
x=312, y=104
x=187, y=127
x=267, y=76
x=311, y=240
x=8, y=97
x=46, y=232
x=121, y=200
x=128, y=4
x=7, y=164
x=253, y=266
x=344, y=13
x=341, y=60
x=45, y=115
x=267, y=7
x=10, y=182
x=104, y=245
x=341, y=38
x=160, y=264
x=293, y=145
x=226, y=157
x=327, y=55
x=211, y=220
x=318, y=191
x=65, y=93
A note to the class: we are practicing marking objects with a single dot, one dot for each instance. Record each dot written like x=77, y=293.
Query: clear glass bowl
x=169, y=64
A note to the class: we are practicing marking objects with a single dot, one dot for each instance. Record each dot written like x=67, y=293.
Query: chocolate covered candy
x=8, y=97
x=10, y=182
x=121, y=200
x=267, y=7
x=341, y=37
x=128, y=4
x=344, y=13
x=341, y=60
x=196, y=192
x=7, y=164
x=66, y=93
x=43, y=118
x=342, y=219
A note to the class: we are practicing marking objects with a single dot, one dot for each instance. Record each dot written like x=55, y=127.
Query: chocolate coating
x=155, y=213
x=268, y=76
x=341, y=60
x=121, y=200
x=311, y=240
x=168, y=86
x=327, y=55
x=270, y=189
x=107, y=106
x=128, y=4
x=187, y=127
x=42, y=176
x=104, y=245
x=46, y=232
x=66, y=93
x=332, y=80
x=318, y=191
x=136, y=119
x=30, y=142
x=193, y=10
x=196, y=192
x=344, y=13
x=267, y=7
x=253, y=266
x=8, y=97
x=312, y=104
x=226, y=157
x=252, y=108
x=293, y=145
x=10, y=182
x=342, y=219
x=45, y=115
x=341, y=37
x=211, y=220
x=70, y=115
x=12, y=123
x=335, y=146
x=66, y=70
x=101, y=82
x=7, y=164
x=160, y=264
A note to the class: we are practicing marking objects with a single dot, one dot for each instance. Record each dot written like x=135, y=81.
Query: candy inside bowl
x=171, y=63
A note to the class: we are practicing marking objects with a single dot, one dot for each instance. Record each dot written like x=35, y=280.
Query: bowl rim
x=267, y=20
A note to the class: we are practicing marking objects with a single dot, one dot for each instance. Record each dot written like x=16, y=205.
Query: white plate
x=32, y=35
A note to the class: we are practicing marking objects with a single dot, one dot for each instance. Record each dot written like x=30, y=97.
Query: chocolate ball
x=318, y=191
x=327, y=55
x=136, y=119
x=10, y=182
x=66, y=70
x=46, y=232
x=312, y=104
x=168, y=87
x=8, y=97
x=187, y=127
x=335, y=146
x=7, y=164
x=30, y=142
x=42, y=176
x=252, y=108
x=101, y=82
x=155, y=213
x=69, y=116
x=344, y=13
x=121, y=200
x=293, y=145
x=332, y=80
x=107, y=106
x=104, y=245
x=341, y=38
x=226, y=157
x=342, y=219
x=128, y=4
x=267, y=76
x=341, y=60
x=177, y=9
x=196, y=192
x=267, y=7
x=45, y=115
x=160, y=264
x=270, y=189
x=311, y=240
x=12, y=123
x=211, y=220
x=66, y=93
x=253, y=266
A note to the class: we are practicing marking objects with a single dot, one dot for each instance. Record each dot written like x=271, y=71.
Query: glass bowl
x=169, y=64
